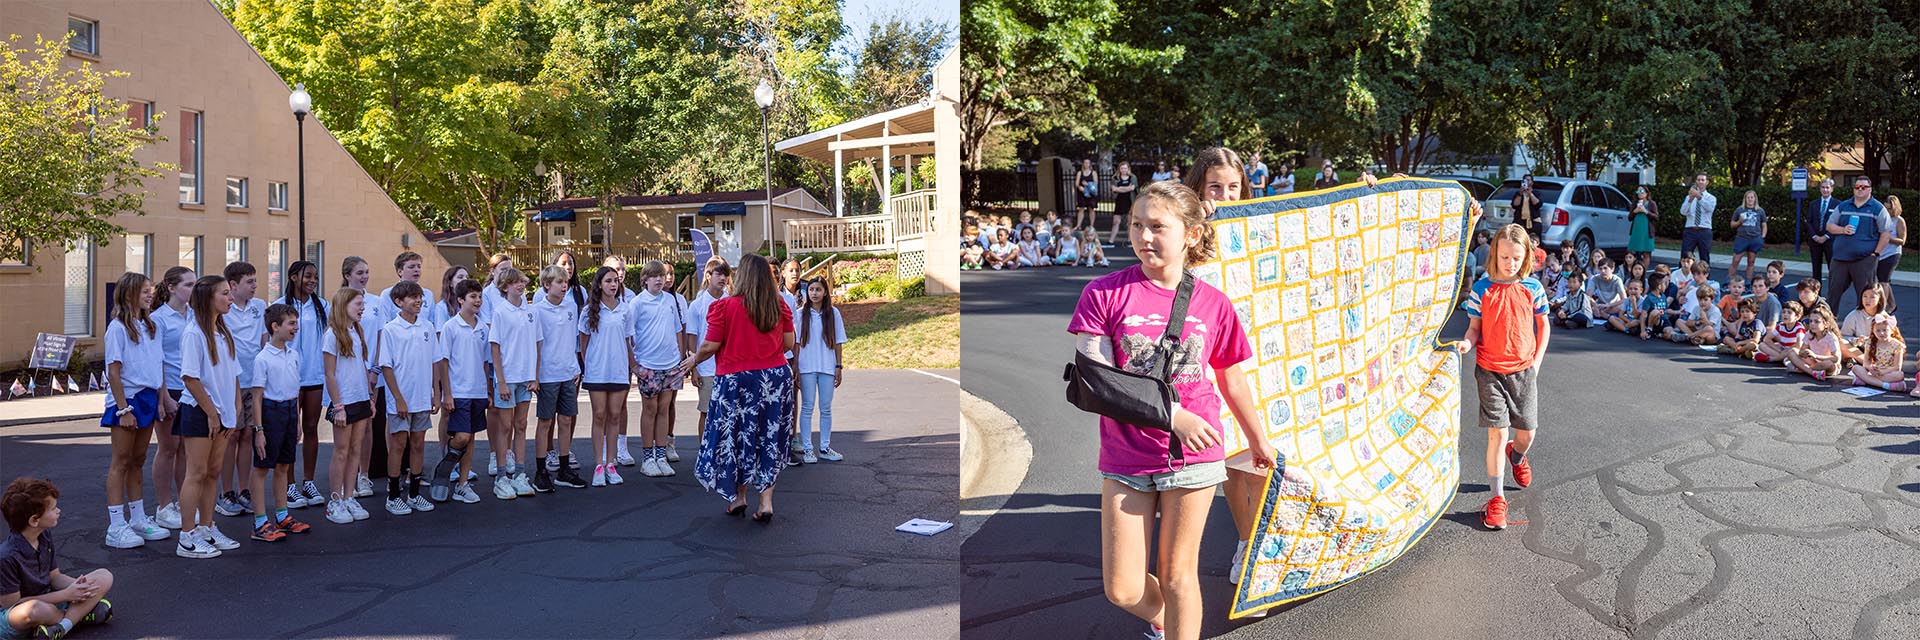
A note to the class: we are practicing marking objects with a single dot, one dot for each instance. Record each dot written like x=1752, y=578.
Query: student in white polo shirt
x=245, y=320
x=210, y=371
x=134, y=364
x=557, y=320
x=407, y=266
x=515, y=351
x=276, y=402
x=463, y=395
x=713, y=287
x=658, y=330
x=607, y=344
x=407, y=355
x=355, y=272
x=345, y=350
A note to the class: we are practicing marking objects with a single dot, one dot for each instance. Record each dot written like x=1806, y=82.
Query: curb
x=994, y=455
x=1804, y=269
x=21, y=422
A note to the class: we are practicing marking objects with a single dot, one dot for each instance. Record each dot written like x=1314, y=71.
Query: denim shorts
x=1749, y=245
x=469, y=415
x=517, y=392
x=1193, y=476
x=561, y=398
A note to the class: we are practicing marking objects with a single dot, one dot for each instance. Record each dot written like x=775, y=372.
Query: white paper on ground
x=923, y=526
x=1709, y=347
x=1863, y=392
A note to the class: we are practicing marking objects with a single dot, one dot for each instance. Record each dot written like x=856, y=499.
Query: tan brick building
x=229, y=130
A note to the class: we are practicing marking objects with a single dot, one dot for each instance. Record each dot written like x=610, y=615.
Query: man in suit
x=1813, y=227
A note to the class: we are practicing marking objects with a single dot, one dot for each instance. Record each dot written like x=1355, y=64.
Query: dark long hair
x=126, y=304
x=1211, y=157
x=211, y=323
x=594, y=301
x=753, y=284
x=446, y=289
x=825, y=308
x=294, y=284
x=163, y=291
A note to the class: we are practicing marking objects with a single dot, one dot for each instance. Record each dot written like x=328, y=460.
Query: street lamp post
x=763, y=96
x=301, y=103
x=539, y=215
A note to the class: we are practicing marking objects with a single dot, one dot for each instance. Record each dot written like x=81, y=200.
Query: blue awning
x=554, y=215
x=724, y=209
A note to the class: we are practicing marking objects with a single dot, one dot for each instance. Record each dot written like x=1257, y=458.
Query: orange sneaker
x=1496, y=513
x=266, y=532
x=291, y=525
x=1522, y=472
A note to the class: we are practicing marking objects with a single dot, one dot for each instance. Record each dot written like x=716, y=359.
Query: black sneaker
x=567, y=477
x=542, y=481
x=102, y=612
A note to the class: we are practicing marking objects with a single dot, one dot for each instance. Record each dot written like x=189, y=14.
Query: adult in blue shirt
x=1861, y=230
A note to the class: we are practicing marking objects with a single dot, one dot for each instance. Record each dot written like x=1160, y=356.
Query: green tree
x=68, y=152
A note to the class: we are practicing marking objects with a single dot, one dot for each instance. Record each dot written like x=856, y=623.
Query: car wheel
x=1583, y=248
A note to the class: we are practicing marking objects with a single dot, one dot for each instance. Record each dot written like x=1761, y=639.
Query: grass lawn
x=915, y=333
x=1909, y=261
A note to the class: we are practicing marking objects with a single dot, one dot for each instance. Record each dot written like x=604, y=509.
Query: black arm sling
x=1144, y=401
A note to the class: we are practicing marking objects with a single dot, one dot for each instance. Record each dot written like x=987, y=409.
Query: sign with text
x=1343, y=293
x=1799, y=182
x=51, y=351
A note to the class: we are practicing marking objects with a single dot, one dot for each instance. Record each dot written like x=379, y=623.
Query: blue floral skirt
x=749, y=426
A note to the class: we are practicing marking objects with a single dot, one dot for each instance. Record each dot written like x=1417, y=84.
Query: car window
x=1549, y=192
x=1616, y=200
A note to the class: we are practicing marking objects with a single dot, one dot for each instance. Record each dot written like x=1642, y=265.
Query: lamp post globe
x=763, y=96
x=301, y=103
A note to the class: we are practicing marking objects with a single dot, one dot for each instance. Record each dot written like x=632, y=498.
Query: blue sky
x=859, y=14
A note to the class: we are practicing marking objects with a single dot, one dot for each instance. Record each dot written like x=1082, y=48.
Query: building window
x=190, y=131
x=317, y=254
x=236, y=250
x=78, y=290
x=597, y=231
x=190, y=253
x=276, y=266
x=683, y=227
x=83, y=36
x=237, y=192
x=140, y=115
x=139, y=250
x=276, y=196
x=559, y=232
x=15, y=252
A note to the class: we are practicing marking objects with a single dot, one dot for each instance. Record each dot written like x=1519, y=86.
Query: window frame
x=198, y=139
x=276, y=189
x=245, y=198
x=92, y=271
x=93, y=36
x=199, y=253
x=145, y=241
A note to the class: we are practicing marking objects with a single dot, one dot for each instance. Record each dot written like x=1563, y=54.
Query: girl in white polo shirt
x=657, y=329
x=303, y=294
x=171, y=314
x=134, y=360
x=463, y=399
x=346, y=351
x=210, y=370
x=515, y=343
x=607, y=344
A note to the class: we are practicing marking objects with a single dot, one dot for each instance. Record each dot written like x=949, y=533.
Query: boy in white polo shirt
x=407, y=266
x=556, y=318
x=515, y=350
x=276, y=403
x=714, y=287
x=407, y=356
x=463, y=393
x=245, y=320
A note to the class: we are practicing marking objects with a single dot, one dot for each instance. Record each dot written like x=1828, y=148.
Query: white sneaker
x=830, y=455
x=398, y=507
x=625, y=459
x=673, y=455
x=553, y=461
x=220, y=540
x=145, y=527
x=363, y=486
x=613, y=475
x=513, y=462
x=600, y=475
x=353, y=507
x=168, y=516
x=420, y=503
x=191, y=545
x=661, y=467
x=313, y=493
x=521, y=485
x=493, y=466
x=1239, y=555
x=573, y=461
x=123, y=537
x=503, y=488
x=338, y=513
x=809, y=458
x=464, y=493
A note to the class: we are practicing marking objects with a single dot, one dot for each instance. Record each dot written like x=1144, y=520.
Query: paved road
x=653, y=558
x=1677, y=495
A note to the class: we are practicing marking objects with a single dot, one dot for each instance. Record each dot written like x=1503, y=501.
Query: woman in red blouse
x=750, y=419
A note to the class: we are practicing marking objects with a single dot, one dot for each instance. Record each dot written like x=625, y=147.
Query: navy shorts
x=1749, y=245
x=469, y=415
x=280, y=423
x=146, y=409
x=192, y=423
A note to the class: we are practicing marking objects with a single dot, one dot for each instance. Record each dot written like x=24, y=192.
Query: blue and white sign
x=702, y=251
x=1799, y=182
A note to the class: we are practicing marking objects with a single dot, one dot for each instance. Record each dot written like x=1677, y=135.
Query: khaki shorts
x=706, y=392
x=1193, y=476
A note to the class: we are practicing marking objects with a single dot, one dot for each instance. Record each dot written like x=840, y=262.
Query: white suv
x=1588, y=213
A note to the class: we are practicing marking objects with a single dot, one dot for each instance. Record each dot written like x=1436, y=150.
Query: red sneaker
x=266, y=532
x=291, y=525
x=1496, y=514
x=1522, y=472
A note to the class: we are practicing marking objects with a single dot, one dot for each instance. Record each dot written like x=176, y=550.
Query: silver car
x=1588, y=213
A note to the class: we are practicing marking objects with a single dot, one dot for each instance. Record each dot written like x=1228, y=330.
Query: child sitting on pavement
x=1784, y=337
x=1742, y=336
x=38, y=600
x=1885, y=350
x=1820, y=353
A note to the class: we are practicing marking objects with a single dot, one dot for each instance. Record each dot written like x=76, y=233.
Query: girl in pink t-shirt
x=1119, y=318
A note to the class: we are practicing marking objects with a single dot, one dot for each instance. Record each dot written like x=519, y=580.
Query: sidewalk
x=56, y=408
x=1794, y=267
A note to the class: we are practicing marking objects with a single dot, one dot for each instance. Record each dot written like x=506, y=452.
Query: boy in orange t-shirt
x=1509, y=328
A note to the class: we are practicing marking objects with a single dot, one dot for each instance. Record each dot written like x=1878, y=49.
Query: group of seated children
x=1754, y=322
x=992, y=242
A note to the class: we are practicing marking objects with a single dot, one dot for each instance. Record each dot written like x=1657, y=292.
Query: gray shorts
x=1508, y=399
x=706, y=392
x=562, y=398
x=1193, y=476
x=416, y=422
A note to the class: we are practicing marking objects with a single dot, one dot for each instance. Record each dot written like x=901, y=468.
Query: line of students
x=230, y=364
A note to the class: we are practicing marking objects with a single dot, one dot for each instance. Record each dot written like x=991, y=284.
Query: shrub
x=1776, y=200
